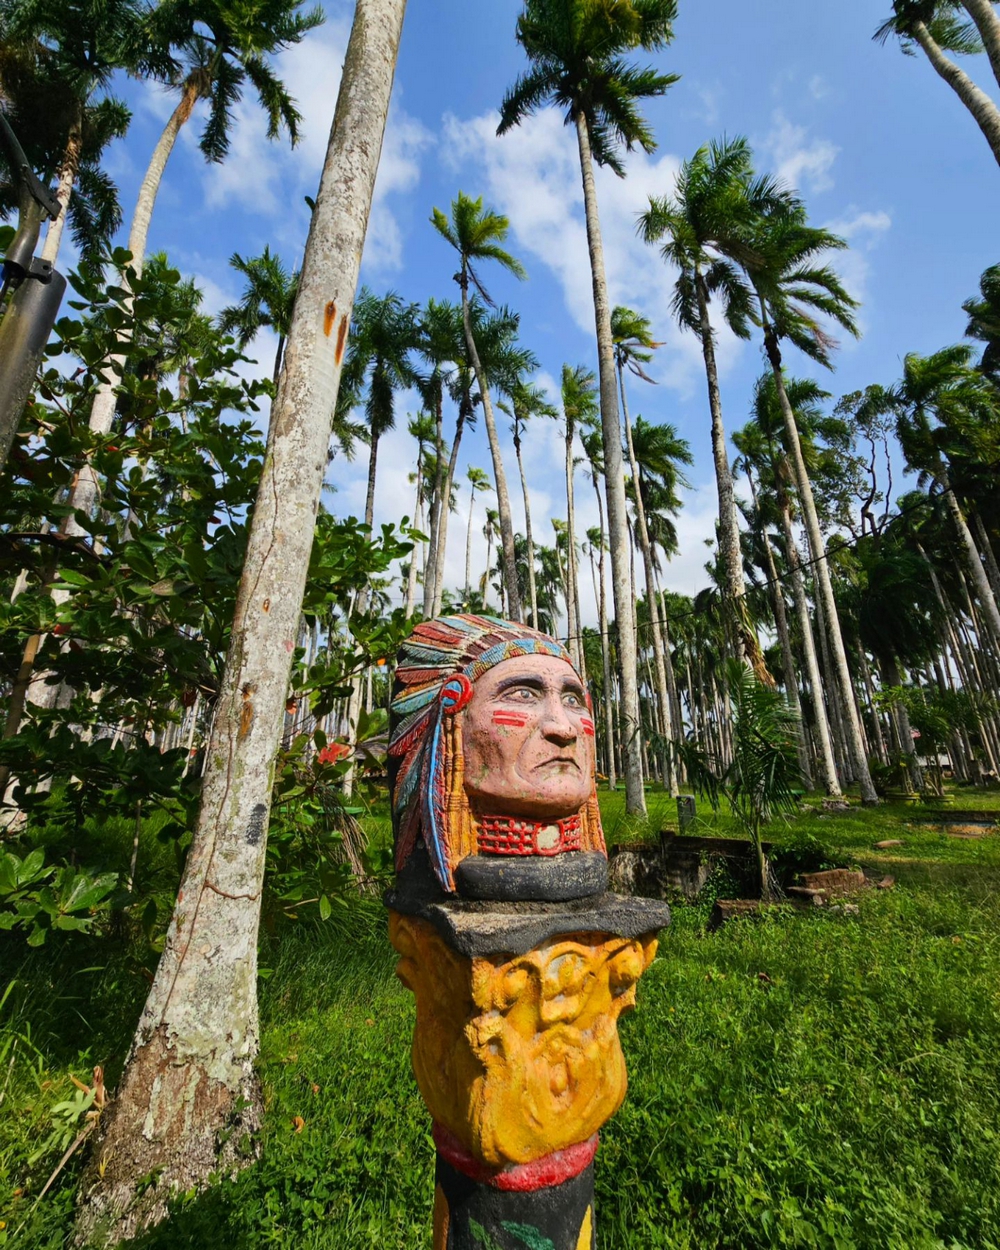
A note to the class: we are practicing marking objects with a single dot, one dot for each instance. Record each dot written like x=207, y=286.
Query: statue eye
x=572, y=700
x=521, y=694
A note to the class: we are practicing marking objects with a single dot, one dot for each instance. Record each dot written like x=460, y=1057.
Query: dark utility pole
x=30, y=294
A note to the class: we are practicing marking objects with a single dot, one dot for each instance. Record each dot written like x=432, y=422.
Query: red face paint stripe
x=588, y=727
x=509, y=718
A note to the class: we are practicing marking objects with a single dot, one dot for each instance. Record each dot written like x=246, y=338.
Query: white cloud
x=818, y=87
x=533, y=176
x=863, y=229
x=796, y=159
x=271, y=179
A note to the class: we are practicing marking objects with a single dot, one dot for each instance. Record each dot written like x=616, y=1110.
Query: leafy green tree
x=478, y=234
x=577, y=51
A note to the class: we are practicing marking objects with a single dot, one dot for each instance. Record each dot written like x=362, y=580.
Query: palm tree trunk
x=973, y=563
x=984, y=14
x=499, y=476
x=602, y=610
x=821, y=724
x=986, y=550
x=190, y=1094
x=532, y=589
x=979, y=104
x=64, y=189
x=656, y=634
x=431, y=568
x=614, y=480
x=817, y=550
x=418, y=519
x=370, y=496
x=86, y=489
x=444, y=511
x=866, y=677
x=747, y=644
x=468, y=544
x=572, y=572
x=784, y=639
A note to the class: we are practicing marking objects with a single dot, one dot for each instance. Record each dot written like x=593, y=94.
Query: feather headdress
x=436, y=668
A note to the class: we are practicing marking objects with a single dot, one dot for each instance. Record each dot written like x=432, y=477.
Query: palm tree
x=593, y=446
x=984, y=321
x=503, y=362
x=943, y=398
x=267, y=300
x=579, y=404
x=422, y=429
x=76, y=46
x=709, y=217
x=527, y=400
x=758, y=444
x=987, y=23
x=64, y=138
x=657, y=454
x=794, y=289
x=199, y=1028
x=577, y=52
x=478, y=481
x=634, y=347
x=221, y=49
x=477, y=234
x=934, y=26
x=491, y=531
x=383, y=334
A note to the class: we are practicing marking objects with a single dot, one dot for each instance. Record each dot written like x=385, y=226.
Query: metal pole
x=37, y=288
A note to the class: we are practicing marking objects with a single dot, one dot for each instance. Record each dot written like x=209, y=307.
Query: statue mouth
x=561, y=763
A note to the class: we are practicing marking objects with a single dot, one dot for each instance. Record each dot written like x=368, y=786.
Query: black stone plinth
x=533, y=878
x=476, y=928
x=470, y=1215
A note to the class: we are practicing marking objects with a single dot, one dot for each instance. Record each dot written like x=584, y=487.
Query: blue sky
x=878, y=146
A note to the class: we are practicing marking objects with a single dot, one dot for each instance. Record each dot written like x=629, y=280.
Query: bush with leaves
x=123, y=617
x=762, y=779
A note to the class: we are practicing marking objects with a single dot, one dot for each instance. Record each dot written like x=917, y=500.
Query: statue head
x=492, y=762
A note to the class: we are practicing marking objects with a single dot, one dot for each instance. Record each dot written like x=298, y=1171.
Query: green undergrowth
x=805, y=1080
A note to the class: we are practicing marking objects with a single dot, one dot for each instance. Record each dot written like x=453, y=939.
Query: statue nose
x=557, y=723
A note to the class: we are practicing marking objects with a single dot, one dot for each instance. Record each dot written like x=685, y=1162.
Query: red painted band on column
x=553, y=1169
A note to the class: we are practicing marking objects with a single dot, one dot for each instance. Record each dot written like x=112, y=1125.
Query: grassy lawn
x=805, y=1080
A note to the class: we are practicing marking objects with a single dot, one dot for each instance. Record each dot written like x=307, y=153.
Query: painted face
x=527, y=738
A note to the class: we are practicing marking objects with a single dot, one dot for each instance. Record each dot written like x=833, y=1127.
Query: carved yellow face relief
x=520, y=1056
x=528, y=739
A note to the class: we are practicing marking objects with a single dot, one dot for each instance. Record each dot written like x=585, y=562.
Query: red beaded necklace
x=514, y=835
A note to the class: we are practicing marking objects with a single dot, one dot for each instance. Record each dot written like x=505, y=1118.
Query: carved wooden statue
x=520, y=961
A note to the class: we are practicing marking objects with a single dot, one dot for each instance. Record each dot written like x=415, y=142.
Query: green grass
x=807, y=1080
